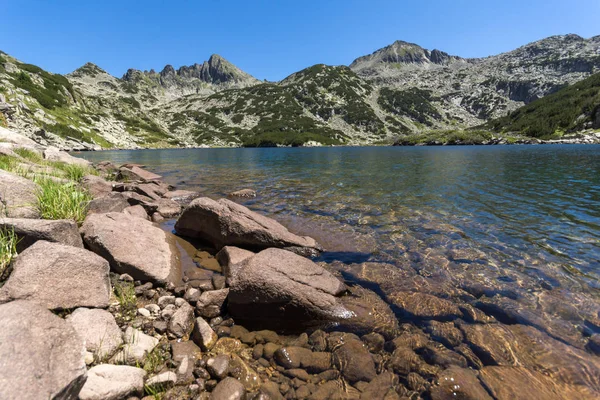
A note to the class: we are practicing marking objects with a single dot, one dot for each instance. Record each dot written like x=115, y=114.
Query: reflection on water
x=510, y=230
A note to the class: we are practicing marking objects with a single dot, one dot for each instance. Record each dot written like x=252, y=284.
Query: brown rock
x=136, y=173
x=299, y=357
x=30, y=231
x=112, y=202
x=225, y=223
x=354, y=361
x=96, y=186
x=458, y=383
x=136, y=211
x=426, y=306
x=210, y=303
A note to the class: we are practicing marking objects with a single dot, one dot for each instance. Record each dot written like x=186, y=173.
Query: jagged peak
x=88, y=69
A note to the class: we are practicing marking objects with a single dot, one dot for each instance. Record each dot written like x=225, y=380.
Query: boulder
x=133, y=246
x=96, y=186
x=98, y=329
x=18, y=196
x=112, y=202
x=41, y=355
x=113, y=382
x=136, y=211
x=136, y=348
x=168, y=208
x=58, y=277
x=54, y=154
x=225, y=223
x=231, y=255
x=278, y=285
x=218, y=366
x=30, y=231
x=136, y=173
x=183, y=197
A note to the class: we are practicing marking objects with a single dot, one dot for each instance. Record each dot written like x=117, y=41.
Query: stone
x=354, y=361
x=240, y=370
x=445, y=332
x=96, y=186
x=136, y=173
x=291, y=357
x=41, y=355
x=185, y=349
x=374, y=342
x=183, y=197
x=379, y=387
x=423, y=305
x=182, y=321
x=113, y=382
x=168, y=208
x=231, y=255
x=136, y=211
x=30, y=231
x=58, y=277
x=163, y=380
x=10, y=136
x=133, y=246
x=219, y=281
x=203, y=335
x=299, y=290
x=218, y=366
x=244, y=193
x=54, y=154
x=164, y=301
x=136, y=348
x=210, y=303
x=18, y=196
x=225, y=223
x=229, y=389
x=192, y=295
x=98, y=329
x=168, y=311
x=112, y=202
x=458, y=383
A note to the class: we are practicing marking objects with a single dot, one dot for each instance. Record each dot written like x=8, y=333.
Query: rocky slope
x=397, y=91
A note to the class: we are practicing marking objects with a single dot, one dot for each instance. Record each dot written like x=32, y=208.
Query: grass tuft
x=8, y=248
x=30, y=155
x=58, y=200
x=125, y=294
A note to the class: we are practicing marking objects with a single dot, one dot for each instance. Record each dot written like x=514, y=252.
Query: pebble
x=144, y=312
x=164, y=301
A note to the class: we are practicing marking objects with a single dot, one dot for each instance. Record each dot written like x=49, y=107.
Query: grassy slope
x=564, y=111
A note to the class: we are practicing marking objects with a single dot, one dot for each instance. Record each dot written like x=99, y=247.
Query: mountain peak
x=88, y=69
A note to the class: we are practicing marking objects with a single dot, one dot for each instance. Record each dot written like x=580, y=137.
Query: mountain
x=395, y=92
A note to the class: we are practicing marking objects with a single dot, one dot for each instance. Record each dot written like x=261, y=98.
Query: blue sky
x=272, y=39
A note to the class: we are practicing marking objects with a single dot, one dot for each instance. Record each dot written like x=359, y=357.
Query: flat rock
x=112, y=202
x=30, y=231
x=422, y=305
x=133, y=246
x=41, y=355
x=18, y=196
x=225, y=223
x=292, y=357
x=113, y=382
x=183, y=197
x=98, y=329
x=163, y=380
x=136, y=173
x=10, y=136
x=185, y=349
x=96, y=186
x=279, y=285
x=58, y=277
x=136, y=348
x=54, y=154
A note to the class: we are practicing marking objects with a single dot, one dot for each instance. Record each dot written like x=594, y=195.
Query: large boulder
x=133, y=246
x=225, y=223
x=30, y=231
x=59, y=277
x=41, y=355
x=113, y=382
x=112, y=202
x=18, y=196
x=279, y=285
x=98, y=329
x=136, y=173
x=54, y=154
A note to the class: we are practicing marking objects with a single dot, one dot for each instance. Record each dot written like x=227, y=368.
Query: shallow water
x=511, y=230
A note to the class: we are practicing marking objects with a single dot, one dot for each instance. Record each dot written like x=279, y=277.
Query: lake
x=512, y=230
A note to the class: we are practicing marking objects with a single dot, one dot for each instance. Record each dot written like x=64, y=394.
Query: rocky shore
x=232, y=306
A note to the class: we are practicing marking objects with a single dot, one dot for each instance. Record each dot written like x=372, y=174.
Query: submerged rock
x=277, y=285
x=459, y=383
x=354, y=361
x=41, y=355
x=225, y=223
x=58, y=277
x=18, y=196
x=425, y=306
x=133, y=246
x=30, y=231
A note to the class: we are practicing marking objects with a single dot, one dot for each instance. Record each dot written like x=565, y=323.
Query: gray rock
x=168, y=311
x=168, y=208
x=210, y=303
x=182, y=321
x=192, y=295
x=41, y=355
x=58, y=277
x=133, y=246
x=299, y=290
x=164, y=301
x=163, y=381
x=96, y=186
x=244, y=193
x=136, y=348
x=54, y=154
x=18, y=196
x=187, y=349
x=218, y=366
x=144, y=312
x=30, y=231
x=231, y=255
x=112, y=202
x=203, y=335
x=98, y=329
x=153, y=308
x=183, y=197
x=113, y=382
x=229, y=389
x=225, y=223
x=136, y=211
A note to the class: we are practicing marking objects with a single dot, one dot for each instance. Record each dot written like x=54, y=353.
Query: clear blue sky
x=271, y=39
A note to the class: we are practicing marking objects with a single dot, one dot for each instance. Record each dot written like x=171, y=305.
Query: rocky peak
x=168, y=70
x=88, y=69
